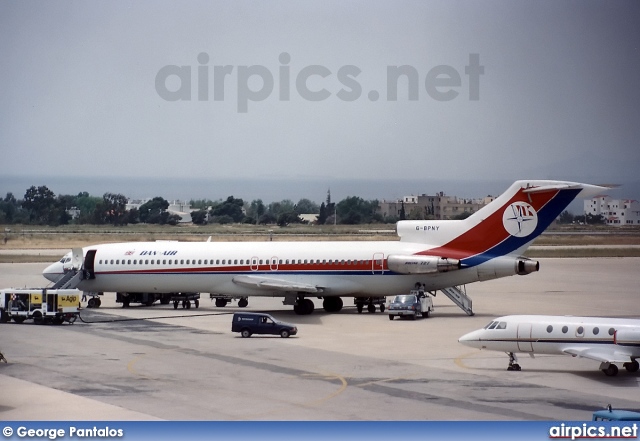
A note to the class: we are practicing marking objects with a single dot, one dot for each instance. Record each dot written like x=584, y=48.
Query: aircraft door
x=524, y=337
x=273, y=263
x=377, y=263
x=89, y=264
x=254, y=264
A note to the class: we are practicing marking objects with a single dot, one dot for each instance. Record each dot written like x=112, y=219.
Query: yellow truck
x=43, y=306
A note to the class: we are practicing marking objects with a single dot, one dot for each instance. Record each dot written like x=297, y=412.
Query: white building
x=616, y=212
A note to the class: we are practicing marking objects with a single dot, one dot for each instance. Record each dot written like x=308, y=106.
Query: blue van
x=248, y=323
x=610, y=414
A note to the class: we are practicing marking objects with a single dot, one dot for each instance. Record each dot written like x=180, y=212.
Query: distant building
x=181, y=208
x=616, y=212
x=439, y=206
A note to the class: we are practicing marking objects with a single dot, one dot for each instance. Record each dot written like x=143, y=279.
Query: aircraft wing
x=598, y=354
x=270, y=283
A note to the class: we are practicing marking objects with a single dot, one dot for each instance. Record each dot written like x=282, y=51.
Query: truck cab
x=417, y=302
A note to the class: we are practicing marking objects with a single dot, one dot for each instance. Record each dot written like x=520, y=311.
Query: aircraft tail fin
x=507, y=225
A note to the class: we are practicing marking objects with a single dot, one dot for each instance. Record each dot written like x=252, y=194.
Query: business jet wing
x=270, y=283
x=598, y=354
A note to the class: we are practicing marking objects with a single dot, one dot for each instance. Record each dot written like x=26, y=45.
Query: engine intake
x=421, y=264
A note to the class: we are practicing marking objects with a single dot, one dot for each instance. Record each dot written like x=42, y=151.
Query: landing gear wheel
x=91, y=303
x=188, y=306
x=196, y=303
x=632, y=366
x=175, y=305
x=611, y=370
x=242, y=303
x=97, y=302
x=513, y=362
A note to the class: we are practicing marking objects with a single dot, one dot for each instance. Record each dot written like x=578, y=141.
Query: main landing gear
x=513, y=362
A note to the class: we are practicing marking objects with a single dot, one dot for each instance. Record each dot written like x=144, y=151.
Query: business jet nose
x=471, y=339
x=54, y=271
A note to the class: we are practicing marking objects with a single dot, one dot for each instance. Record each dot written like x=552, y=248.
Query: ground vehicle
x=371, y=303
x=42, y=305
x=410, y=305
x=248, y=323
x=610, y=414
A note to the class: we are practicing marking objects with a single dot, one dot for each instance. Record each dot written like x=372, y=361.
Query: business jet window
x=596, y=331
x=565, y=329
x=612, y=331
x=580, y=331
x=549, y=329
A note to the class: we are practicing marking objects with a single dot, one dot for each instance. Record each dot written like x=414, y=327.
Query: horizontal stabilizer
x=269, y=283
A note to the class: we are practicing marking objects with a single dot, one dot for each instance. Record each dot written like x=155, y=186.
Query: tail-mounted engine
x=527, y=266
x=421, y=264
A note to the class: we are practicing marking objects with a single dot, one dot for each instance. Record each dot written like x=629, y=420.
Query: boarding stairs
x=459, y=296
x=69, y=280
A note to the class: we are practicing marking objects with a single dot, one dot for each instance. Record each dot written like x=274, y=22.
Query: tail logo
x=520, y=219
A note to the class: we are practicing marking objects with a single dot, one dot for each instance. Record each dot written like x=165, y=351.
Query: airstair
x=459, y=296
x=69, y=280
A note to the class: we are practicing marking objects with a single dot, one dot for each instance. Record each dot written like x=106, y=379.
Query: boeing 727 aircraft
x=436, y=254
x=607, y=340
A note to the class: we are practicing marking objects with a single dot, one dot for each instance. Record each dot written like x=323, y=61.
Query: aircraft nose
x=471, y=339
x=53, y=272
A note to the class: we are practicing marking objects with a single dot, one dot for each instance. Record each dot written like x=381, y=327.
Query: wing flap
x=598, y=354
x=270, y=283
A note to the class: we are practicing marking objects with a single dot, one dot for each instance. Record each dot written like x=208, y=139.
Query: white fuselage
x=597, y=338
x=337, y=268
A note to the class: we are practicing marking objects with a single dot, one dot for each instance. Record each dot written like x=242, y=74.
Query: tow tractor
x=43, y=306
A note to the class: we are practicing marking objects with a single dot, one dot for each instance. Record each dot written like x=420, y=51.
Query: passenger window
x=224, y=261
x=596, y=331
x=152, y=261
x=218, y=262
x=549, y=329
x=565, y=329
x=612, y=331
x=235, y=262
x=580, y=331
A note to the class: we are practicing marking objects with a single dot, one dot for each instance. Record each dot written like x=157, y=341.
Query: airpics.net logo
x=520, y=219
x=257, y=83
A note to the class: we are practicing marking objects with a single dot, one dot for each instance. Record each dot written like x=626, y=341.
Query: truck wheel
x=371, y=308
x=390, y=317
x=175, y=305
x=188, y=304
x=284, y=333
x=245, y=333
x=196, y=302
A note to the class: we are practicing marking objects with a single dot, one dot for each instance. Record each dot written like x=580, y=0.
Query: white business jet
x=607, y=340
x=434, y=254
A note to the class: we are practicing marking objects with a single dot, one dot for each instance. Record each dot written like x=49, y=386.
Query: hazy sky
x=87, y=90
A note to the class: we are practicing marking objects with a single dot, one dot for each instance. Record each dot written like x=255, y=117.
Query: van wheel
x=245, y=333
x=284, y=333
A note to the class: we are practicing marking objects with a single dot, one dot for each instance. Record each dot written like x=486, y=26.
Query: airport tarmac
x=147, y=363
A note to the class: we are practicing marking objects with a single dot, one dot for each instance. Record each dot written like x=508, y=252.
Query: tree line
x=40, y=206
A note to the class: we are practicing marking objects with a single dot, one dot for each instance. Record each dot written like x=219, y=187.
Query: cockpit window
x=502, y=325
x=496, y=325
x=491, y=325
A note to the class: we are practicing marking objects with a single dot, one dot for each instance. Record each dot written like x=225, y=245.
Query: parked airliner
x=607, y=340
x=436, y=254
